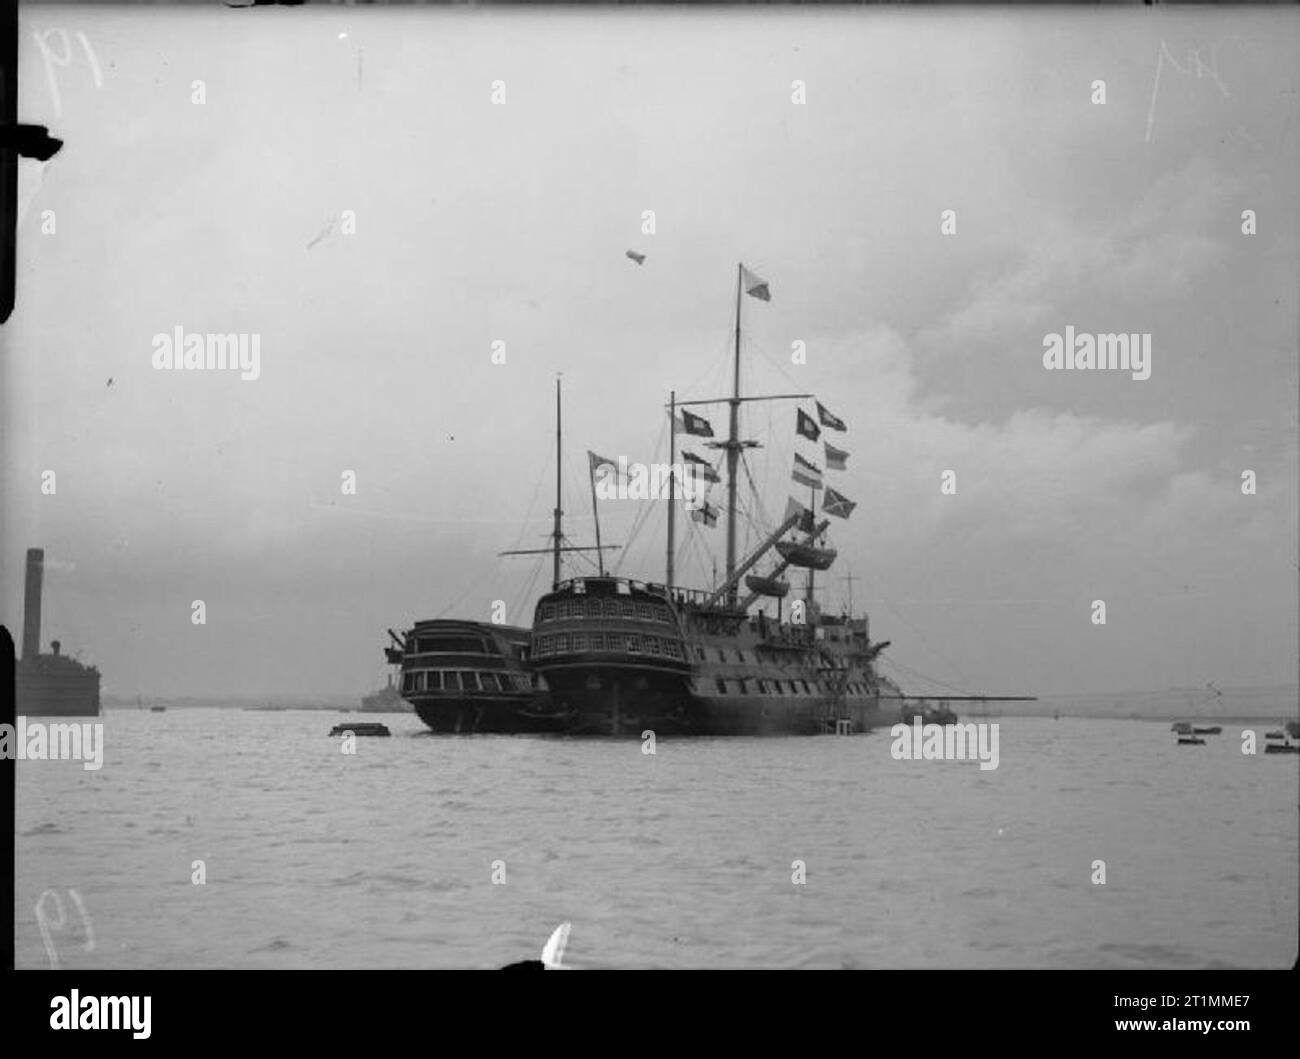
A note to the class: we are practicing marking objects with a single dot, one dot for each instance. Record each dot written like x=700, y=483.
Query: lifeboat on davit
x=806, y=556
x=767, y=586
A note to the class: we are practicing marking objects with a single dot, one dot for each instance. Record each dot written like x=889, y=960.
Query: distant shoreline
x=1259, y=705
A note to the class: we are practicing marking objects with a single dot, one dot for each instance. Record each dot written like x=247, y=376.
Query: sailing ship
x=387, y=699
x=611, y=655
x=626, y=656
x=49, y=685
x=471, y=677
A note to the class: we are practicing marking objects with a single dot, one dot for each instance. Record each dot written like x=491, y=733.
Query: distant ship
x=387, y=699
x=50, y=685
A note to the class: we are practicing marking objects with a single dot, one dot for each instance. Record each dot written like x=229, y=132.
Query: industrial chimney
x=32, y=604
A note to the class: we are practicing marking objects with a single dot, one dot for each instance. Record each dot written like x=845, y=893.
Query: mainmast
x=733, y=445
x=812, y=506
x=672, y=486
x=728, y=589
x=556, y=534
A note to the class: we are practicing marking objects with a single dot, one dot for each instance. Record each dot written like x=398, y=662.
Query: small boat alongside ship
x=939, y=714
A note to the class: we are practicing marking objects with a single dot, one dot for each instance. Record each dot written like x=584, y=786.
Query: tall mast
x=850, y=579
x=556, y=536
x=672, y=486
x=733, y=448
x=727, y=591
x=595, y=514
x=812, y=506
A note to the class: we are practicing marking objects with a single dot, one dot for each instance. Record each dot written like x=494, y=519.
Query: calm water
x=682, y=859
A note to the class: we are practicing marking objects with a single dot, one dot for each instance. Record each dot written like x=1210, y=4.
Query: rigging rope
x=646, y=509
x=921, y=637
x=472, y=582
x=528, y=517
x=521, y=599
x=893, y=664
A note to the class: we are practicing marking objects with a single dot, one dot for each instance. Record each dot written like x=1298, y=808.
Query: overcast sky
x=478, y=222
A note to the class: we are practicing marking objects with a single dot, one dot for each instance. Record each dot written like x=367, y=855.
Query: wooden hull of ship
x=628, y=703
x=465, y=678
x=488, y=714
x=766, y=715
x=617, y=700
x=628, y=658
x=66, y=690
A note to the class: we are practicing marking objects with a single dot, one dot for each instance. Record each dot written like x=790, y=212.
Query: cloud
x=1155, y=253
x=1031, y=472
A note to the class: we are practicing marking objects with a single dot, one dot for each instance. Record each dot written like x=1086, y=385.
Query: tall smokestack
x=32, y=604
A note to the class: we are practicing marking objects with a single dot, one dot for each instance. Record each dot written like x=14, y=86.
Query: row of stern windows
x=628, y=643
x=604, y=608
x=458, y=680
